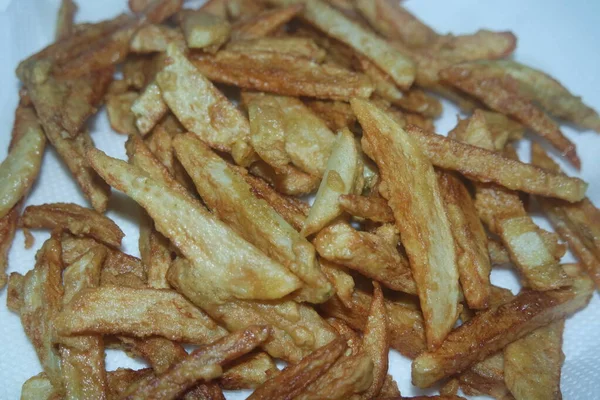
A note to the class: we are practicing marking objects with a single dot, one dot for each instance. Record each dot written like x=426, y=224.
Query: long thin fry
x=64, y=21
x=264, y=23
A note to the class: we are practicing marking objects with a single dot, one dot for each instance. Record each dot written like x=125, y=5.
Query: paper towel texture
x=558, y=37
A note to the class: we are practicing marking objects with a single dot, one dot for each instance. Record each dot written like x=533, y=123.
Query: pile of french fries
x=330, y=97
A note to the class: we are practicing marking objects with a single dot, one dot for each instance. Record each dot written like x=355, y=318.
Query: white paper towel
x=556, y=36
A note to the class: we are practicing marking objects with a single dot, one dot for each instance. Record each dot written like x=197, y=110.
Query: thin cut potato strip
x=532, y=364
x=248, y=372
x=154, y=38
x=65, y=19
x=137, y=312
x=331, y=21
x=491, y=330
x=200, y=236
x=486, y=378
x=221, y=188
x=336, y=114
x=374, y=208
x=78, y=220
x=486, y=166
x=149, y=108
x=368, y=254
x=203, y=30
x=120, y=116
x=293, y=380
x=297, y=328
x=283, y=74
x=341, y=177
x=197, y=365
x=265, y=22
x=420, y=216
x=287, y=180
x=212, y=117
x=293, y=46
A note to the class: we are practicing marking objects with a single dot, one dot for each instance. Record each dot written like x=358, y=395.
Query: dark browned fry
x=292, y=380
x=78, y=220
x=265, y=22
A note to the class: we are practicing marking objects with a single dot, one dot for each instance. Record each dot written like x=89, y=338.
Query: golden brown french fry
x=288, y=180
x=202, y=364
x=155, y=253
x=160, y=353
x=290, y=382
x=289, y=45
x=284, y=130
x=204, y=30
x=120, y=379
x=374, y=208
x=149, y=108
x=336, y=114
x=502, y=128
x=491, y=330
x=137, y=312
x=265, y=22
x=376, y=342
x=65, y=19
x=341, y=281
x=297, y=329
x=366, y=253
x=470, y=239
x=203, y=242
x=407, y=333
x=155, y=38
x=120, y=116
x=341, y=177
x=212, y=117
x=578, y=223
x=486, y=378
x=333, y=22
x=532, y=365
x=222, y=188
x=248, y=372
x=39, y=387
x=283, y=74
x=499, y=91
x=78, y=220
x=487, y=166
x=42, y=300
x=82, y=357
x=413, y=194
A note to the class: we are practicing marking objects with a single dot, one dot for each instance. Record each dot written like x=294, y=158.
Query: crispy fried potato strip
x=374, y=208
x=341, y=177
x=155, y=38
x=293, y=46
x=248, y=372
x=283, y=74
x=491, y=330
x=149, y=108
x=265, y=22
x=336, y=114
x=201, y=237
x=137, y=312
x=368, y=254
x=202, y=364
x=120, y=116
x=532, y=364
x=78, y=220
x=292, y=381
x=486, y=166
x=411, y=188
x=222, y=188
x=65, y=19
x=288, y=180
x=203, y=30
x=212, y=117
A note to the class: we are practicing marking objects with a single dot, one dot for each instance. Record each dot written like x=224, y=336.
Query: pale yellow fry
x=410, y=186
x=341, y=176
x=236, y=268
x=203, y=30
x=399, y=67
x=21, y=166
x=149, y=108
x=136, y=312
x=532, y=364
x=222, y=188
x=211, y=116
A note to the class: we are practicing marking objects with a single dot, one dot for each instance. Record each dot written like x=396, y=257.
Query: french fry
x=248, y=372
x=341, y=281
x=486, y=378
x=39, y=387
x=288, y=180
x=22, y=164
x=121, y=269
x=82, y=357
x=576, y=223
x=341, y=177
x=374, y=208
x=155, y=253
x=149, y=108
x=336, y=114
x=291, y=382
x=242, y=9
x=500, y=92
x=497, y=252
x=202, y=364
x=149, y=312
x=65, y=19
x=419, y=214
x=161, y=353
x=221, y=188
x=480, y=337
x=212, y=117
x=155, y=38
x=282, y=74
x=78, y=220
x=486, y=166
x=293, y=46
x=366, y=253
x=204, y=30
x=297, y=329
x=120, y=379
x=42, y=300
x=265, y=22
x=331, y=21
x=407, y=332
x=194, y=240
x=502, y=128
x=14, y=292
x=470, y=239
x=118, y=107
x=532, y=364
x=138, y=72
